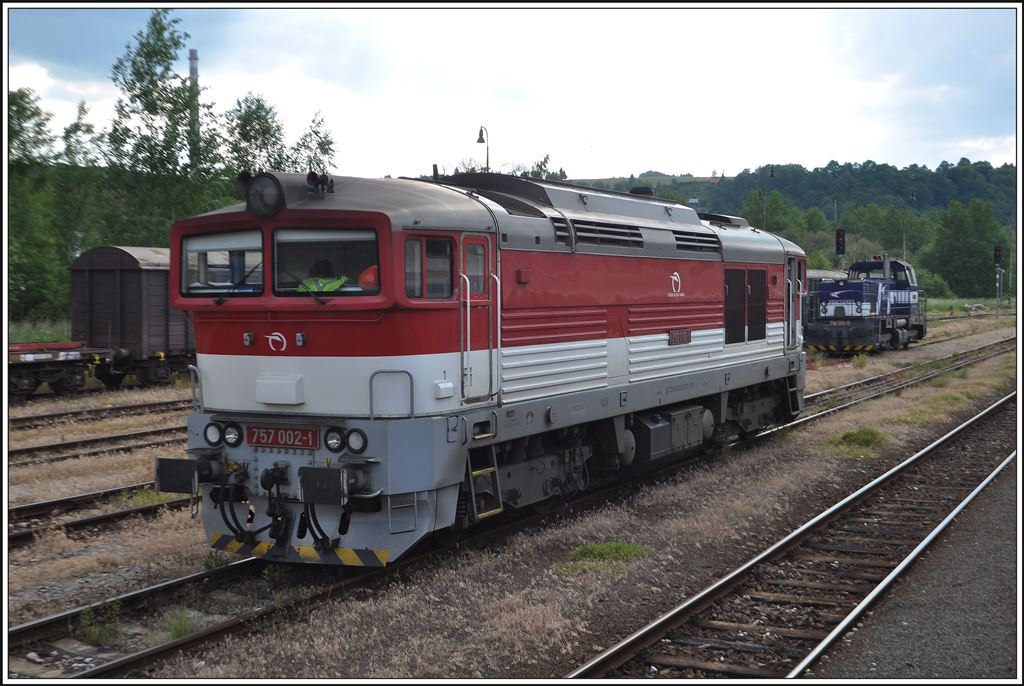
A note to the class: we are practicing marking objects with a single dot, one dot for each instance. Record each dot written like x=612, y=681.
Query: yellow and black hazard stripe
x=353, y=557
x=840, y=348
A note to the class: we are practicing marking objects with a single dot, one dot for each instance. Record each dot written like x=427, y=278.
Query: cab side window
x=428, y=268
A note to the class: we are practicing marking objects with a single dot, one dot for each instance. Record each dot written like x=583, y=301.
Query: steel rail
x=45, y=626
x=45, y=507
x=617, y=654
x=86, y=442
x=38, y=420
x=17, y=539
x=864, y=604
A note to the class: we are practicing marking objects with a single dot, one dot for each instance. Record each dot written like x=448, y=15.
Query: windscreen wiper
x=223, y=298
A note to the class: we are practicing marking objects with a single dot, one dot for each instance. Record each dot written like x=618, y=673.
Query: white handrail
x=469, y=336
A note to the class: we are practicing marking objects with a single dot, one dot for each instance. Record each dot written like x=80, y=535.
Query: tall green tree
x=29, y=140
x=80, y=215
x=33, y=259
x=255, y=136
x=961, y=253
x=162, y=147
x=314, y=151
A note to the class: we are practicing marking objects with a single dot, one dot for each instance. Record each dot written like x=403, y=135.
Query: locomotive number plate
x=838, y=322
x=679, y=337
x=282, y=437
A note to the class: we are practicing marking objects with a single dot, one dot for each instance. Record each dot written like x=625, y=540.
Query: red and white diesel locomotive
x=380, y=359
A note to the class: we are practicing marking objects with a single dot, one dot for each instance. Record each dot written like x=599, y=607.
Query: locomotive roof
x=877, y=264
x=474, y=201
x=123, y=257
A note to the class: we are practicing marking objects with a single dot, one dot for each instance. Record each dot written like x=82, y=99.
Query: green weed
x=182, y=624
x=861, y=442
x=100, y=625
x=215, y=559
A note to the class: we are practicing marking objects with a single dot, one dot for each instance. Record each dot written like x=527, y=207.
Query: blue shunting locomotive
x=878, y=305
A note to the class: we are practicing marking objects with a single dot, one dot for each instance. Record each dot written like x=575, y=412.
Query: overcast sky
x=604, y=91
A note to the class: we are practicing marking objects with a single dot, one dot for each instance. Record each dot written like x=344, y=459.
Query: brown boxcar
x=119, y=301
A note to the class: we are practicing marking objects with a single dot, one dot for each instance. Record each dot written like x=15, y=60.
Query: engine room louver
x=608, y=234
x=561, y=231
x=700, y=242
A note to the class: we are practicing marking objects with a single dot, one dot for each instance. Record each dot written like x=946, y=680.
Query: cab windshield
x=218, y=264
x=335, y=262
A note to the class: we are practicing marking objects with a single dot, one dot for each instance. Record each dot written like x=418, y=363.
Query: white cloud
x=602, y=91
x=997, y=150
x=60, y=98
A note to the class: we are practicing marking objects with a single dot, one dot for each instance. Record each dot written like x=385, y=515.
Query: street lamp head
x=480, y=138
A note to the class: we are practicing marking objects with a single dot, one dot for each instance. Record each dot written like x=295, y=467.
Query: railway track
x=912, y=374
x=26, y=522
x=975, y=315
x=66, y=450
x=776, y=614
x=68, y=623
x=95, y=413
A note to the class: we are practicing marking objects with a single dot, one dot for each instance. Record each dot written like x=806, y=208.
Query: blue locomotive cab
x=878, y=305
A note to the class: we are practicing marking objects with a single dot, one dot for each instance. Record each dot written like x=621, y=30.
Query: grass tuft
x=100, y=625
x=860, y=442
x=215, y=559
x=182, y=624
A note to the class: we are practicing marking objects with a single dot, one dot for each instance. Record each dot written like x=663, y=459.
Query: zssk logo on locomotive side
x=677, y=286
x=275, y=339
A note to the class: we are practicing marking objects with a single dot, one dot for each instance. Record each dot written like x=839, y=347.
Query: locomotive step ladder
x=484, y=486
x=793, y=395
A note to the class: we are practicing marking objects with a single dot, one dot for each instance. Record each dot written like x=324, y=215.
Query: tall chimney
x=193, y=128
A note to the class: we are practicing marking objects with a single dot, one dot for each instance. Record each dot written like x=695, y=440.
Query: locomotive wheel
x=149, y=377
x=108, y=378
x=450, y=537
x=22, y=388
x=70, y=383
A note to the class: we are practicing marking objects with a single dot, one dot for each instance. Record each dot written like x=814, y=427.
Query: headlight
x=334, y=439
x=264, y=196
x=213, y=434
x=356, y=441
x=233, y=435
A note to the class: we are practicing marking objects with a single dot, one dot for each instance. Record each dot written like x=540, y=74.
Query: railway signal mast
x=999, y=278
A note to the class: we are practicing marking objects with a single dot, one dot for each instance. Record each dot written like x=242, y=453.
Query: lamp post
x=487, y=140
x=771, y=175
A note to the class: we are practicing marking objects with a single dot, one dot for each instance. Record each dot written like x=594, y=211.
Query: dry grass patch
x=52, y=404
x=33, y=483
x=826, y=375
